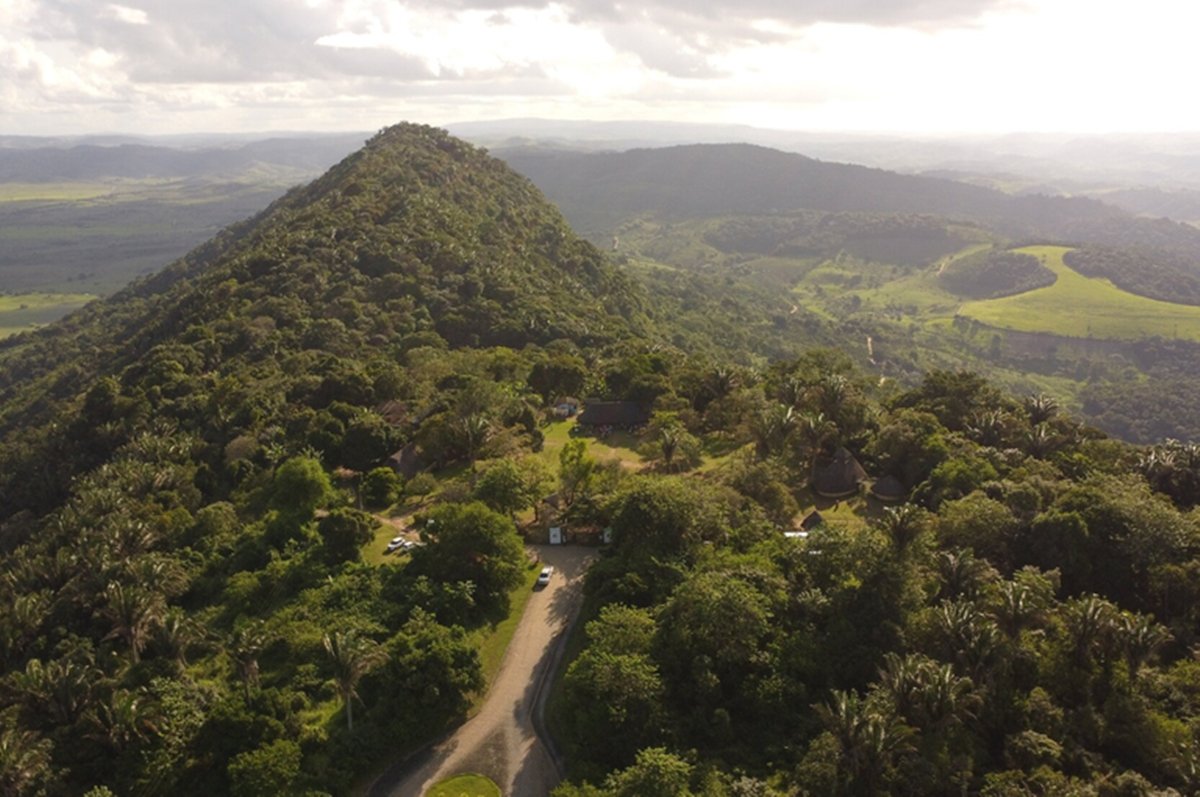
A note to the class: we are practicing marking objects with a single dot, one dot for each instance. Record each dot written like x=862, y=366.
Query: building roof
x=889, y=488
x=840, y=477
x=812, y=520
x=613, y=413
x=407, y=461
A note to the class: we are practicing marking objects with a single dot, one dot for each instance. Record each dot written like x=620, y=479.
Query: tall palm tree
x=1040, y=408
x=352, y=657
x=1091, y=622
x=902, y=525
x=868, y=740
x=176, y=633
x=927, y=693
x=133, y=612
x=244, y=646
x=771, y=427
x=1140, y=637
x=475, y=429
x=962, y=573
x=59, y=690
x=1017, y=608
x=24, y=761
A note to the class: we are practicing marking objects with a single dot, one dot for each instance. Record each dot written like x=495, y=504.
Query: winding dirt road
x=501, y=741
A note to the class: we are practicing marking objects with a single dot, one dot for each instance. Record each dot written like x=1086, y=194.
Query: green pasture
x=1081, y=307
x=465, y=786
x=52, y=192
x=20, y=312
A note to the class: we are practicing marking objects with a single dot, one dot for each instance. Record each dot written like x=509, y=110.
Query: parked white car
x=543, y=578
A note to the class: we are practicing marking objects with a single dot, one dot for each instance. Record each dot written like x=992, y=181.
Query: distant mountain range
x=599, y=190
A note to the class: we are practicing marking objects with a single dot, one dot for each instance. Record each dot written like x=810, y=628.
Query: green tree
x=576, y=471
x=351, y=657
x=655, y=773
x=300, y=486
x=270, y=769
x=133, y=612
x=469, y=542
x=381, y=487
x=509, y=486
x=344, y=531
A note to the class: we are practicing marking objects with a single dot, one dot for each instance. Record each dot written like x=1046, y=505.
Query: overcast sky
x=84, y=66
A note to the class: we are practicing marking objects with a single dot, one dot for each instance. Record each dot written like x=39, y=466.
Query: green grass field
x=1080, y=307
x=465, y=786
x=20, y=312
x=52, y=192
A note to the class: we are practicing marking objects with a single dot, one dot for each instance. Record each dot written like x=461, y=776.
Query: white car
x=543, y=578
x=397, y=542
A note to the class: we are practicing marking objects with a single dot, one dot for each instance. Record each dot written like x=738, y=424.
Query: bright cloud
x=920, y=65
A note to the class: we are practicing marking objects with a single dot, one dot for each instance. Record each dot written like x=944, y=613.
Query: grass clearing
x=1076, y=306
x=621, y=446
x=465, y=786
x=52, y=192
x=21, y=312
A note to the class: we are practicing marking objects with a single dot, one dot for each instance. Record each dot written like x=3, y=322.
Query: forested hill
x=38, y=162
x=597, y=191
x=174, y=610
x=418, y=234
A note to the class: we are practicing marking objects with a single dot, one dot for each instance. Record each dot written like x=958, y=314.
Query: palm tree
x=24, y=761
x=903, y=525
x=176, y=633
x=60, y=690
x=244, y=647
x=475, y=430
x=352, y=657
x=133, y=612
x=962, y=573
x=1140, y=637
x=988, y=428
x=927, y=693
x=771, y=427
x=1017, y=608
x=669, y=438
x=1040, y=408
x=122, y=719
x=868, y=740
x=1091, y=622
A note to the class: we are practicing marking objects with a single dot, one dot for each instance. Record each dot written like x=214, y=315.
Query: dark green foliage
x=1155, y=273
x=271, y=769
x=381, y=487
x=990, y=274
x=469, y=542
x=343, y=532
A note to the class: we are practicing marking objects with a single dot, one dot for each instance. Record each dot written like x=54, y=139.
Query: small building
x=613, y=415
x=407, y=461
x=841, y=477
x=889, y=489
x=811, y=521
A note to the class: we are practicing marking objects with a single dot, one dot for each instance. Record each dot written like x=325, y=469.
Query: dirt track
x=500, y=741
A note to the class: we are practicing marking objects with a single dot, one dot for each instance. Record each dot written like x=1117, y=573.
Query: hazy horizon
x=923, y=67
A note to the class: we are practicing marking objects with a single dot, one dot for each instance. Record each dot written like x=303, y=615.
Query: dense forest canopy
x=195, y=496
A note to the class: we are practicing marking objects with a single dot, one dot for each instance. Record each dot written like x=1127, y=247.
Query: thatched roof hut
x=840, y=478
x=618, y=414
x=889, y=489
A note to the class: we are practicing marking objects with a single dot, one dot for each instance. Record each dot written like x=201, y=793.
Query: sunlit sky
x=170, y=66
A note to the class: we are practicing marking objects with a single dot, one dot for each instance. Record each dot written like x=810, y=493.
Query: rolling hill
x=598, y=191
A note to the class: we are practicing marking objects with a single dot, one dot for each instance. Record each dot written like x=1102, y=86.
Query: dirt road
x=500, y=741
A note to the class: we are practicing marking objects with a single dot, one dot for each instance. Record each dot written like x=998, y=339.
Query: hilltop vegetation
x=991, y=274
x=194, y=598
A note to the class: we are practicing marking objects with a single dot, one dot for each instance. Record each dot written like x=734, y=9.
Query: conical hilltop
x=416, y=239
